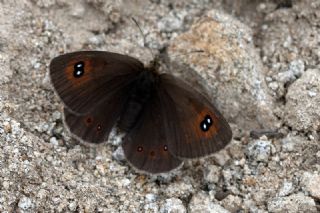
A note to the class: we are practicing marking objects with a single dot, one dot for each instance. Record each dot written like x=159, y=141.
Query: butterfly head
x=154, y=65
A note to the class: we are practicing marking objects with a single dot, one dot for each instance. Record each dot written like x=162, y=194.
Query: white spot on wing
x=204, y=126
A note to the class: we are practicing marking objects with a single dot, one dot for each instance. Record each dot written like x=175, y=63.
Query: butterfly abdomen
x=139, y=95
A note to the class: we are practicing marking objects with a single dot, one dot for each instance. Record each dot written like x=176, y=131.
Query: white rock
x=125, y=182
x=150, y=197
x=25, y=203
x=118, y=154
x=56, y=115
x=286, y=188
x=54, y=141
x=170, y=23
x=173, y=205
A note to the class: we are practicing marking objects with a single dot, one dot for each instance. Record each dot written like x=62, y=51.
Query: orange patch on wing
x=152, y=154
x=213, y=129
x=88, y=120
x=77, y=82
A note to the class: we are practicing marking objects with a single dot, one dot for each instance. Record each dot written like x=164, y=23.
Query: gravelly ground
x=260, y=64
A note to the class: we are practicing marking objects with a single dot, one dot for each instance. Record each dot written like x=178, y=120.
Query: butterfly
x=165, y=120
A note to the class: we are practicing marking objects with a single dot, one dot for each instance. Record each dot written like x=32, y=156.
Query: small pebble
x=54, y=141
x=173, y=205
x=118, y=154
x=212, y=174
x=150, y=197
x=25, y=203
x=286, y=188
x=170, y=23
x=260, y=150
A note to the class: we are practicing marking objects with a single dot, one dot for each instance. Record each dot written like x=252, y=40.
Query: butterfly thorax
x=141, y=91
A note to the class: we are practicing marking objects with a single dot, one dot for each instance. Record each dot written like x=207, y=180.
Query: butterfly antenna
x=144, y=37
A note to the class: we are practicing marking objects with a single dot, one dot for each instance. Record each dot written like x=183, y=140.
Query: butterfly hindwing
x=95, y=125
x=196, y=127
x=85, y=79
x=146, y=146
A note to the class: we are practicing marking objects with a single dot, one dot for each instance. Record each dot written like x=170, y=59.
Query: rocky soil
x=259, y=62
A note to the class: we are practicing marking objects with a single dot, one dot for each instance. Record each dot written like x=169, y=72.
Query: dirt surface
x=259, y=62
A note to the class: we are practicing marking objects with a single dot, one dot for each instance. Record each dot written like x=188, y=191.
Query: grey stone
x=56, y=115
x=294, y=71
x=260, y=150
x=310, y=183
x=293, y=203
x=6, y=72
x=96, y=40
x=170, y=23
x=212, y=174
x=77, y=10
x=221, y=157
x=251, y=205
x=291, y=143
x=232, y=203
x=302, y=111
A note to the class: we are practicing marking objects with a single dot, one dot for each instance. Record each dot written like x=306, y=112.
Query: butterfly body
x=164, y=118
x=141, y=91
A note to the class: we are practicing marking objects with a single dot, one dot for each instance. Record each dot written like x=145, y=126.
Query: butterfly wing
x=85, y=79
x=145, y=146
x=95, y=126
x=196, y=128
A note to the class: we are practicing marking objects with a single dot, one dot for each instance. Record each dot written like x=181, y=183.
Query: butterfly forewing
x=195, y=128
x=84, y=80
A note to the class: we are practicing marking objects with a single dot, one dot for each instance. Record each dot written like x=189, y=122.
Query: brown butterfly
x=165, y=119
